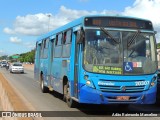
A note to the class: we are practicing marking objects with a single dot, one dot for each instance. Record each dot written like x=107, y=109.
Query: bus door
x=51, y=47
x=37, y=61
x=77, y=64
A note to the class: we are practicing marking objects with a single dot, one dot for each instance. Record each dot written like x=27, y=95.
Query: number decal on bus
x=139, y=83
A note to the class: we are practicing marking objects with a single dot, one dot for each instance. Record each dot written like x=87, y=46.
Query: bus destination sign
x=118, y=22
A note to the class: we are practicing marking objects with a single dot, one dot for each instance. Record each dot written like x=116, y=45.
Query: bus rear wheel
x=70, y=102
x=44, y=89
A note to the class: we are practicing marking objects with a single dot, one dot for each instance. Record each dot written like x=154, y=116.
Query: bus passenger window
x=45, y=48
x=42, y=48
x=46, y=43
x=67, y=44
x=64, y=38
x=56, y=40
x=58, y=47
x=60, y=39
x=68, y=37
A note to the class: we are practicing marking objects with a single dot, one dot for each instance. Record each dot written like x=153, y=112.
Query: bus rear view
x=119, y=61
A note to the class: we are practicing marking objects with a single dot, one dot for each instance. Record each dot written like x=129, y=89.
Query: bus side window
x=53, y=47
x=68, y=36
x=58, y=46
x=64, y=37
x=45, y=50
x=56, y=43
x=46, y=43
x=59, y=39
x=42, y=47
x=67, y=44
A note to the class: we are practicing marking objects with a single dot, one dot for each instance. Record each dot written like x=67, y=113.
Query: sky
x=23, y=21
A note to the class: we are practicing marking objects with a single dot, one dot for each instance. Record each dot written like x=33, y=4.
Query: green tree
x=27, y=57
x=158, y=45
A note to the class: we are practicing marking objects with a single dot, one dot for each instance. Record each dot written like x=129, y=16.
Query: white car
x=3, y=64
x=16, y=68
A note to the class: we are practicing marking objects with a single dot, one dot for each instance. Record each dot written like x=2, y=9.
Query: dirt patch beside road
x=12, y=100
x=9, y=94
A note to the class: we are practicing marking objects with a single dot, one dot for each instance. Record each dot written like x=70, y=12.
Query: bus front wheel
x=70, y=102
x=44, y=89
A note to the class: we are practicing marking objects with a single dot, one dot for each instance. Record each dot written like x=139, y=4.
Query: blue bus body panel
x=90, y=95
x=56, y=76
x=106, y=94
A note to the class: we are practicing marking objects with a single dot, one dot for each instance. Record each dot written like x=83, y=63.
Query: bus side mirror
x=80, y=36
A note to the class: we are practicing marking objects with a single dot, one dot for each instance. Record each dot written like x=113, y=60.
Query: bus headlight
x=153, y=82
x=89, y=83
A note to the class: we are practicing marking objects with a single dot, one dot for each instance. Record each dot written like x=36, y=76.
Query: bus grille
x=118, y=88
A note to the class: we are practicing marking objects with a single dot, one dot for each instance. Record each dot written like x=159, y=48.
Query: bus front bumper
x=93, y=96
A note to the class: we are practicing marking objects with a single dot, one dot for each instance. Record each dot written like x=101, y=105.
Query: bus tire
x=44, y=89
x=64, y=92
x=70, y=102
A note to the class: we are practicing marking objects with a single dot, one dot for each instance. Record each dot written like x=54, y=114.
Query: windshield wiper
x=107, y=33
x=133, y=38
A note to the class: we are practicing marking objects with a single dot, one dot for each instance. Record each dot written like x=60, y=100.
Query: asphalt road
x=30, y=90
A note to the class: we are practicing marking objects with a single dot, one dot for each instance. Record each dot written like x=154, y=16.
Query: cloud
x=1, y=52
x=15, y=40
x=37, y=24
x=19, y=41
x=29, y=25
x=70, y=14
x=9, y=31
x=30, y=45
x=148, y=9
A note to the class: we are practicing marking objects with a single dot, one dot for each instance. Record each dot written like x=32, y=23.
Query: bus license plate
x=122, y=97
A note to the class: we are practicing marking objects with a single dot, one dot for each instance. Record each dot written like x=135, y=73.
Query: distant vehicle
x=3, y=64
x=16, y=68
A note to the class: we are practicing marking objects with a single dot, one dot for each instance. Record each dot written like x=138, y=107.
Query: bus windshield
x=119, y=52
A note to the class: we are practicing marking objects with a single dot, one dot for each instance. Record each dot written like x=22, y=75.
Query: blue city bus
x=99, y=60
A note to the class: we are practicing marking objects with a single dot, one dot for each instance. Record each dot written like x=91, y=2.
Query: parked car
x=16, y=68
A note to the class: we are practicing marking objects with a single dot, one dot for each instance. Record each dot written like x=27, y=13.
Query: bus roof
x=80, y=21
